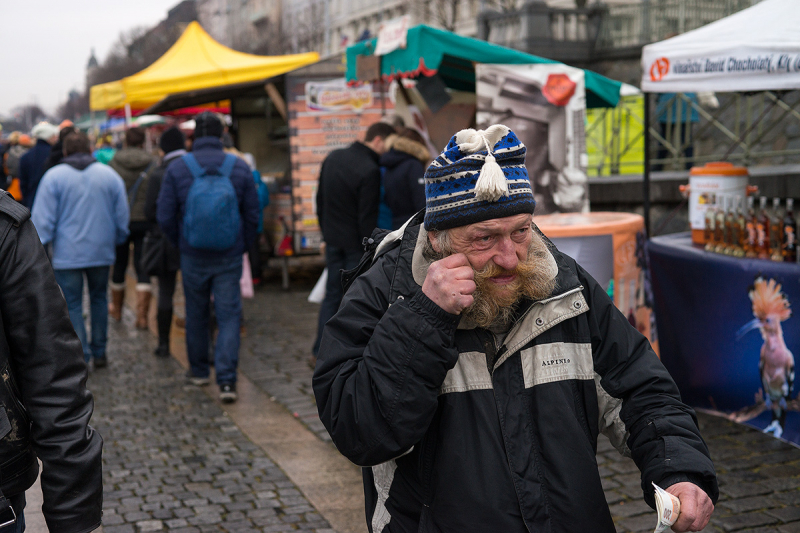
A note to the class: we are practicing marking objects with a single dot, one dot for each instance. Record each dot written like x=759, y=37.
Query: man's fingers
x=455, y=261
x=687, y=516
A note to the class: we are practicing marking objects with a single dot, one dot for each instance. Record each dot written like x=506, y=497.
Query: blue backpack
x=211, y=220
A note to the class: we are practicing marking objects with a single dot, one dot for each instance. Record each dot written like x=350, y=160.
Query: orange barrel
x=621, y=261
x=705, y=183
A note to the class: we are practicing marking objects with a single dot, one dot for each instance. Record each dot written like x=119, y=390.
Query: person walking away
x=133, y=164
x=472, y=368
x=171, y=146
x=14, y=152
x=348, y=196
x=254, y=251
x=208, y=207
x=82, y=211
x=57, y=151
x=45, y=405
x=403, y=177
x=31, y=165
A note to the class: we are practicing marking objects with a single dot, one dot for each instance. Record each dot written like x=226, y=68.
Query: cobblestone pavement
x=759, y=476
x=173, y=460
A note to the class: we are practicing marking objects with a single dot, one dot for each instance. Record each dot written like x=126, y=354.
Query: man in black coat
x=472, y=368
x=347, y=207
x=44, y=405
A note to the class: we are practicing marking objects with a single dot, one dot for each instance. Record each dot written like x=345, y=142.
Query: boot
x=117, y=299
x=142, y=308
x=164, y=321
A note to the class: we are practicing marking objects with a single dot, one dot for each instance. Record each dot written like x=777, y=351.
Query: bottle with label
x=719, y=224
x=750, y=229
x=739, y=230
x=762, y=229
x=708, y=230
x=789, y=233
x=776, y=231
x=731, y=239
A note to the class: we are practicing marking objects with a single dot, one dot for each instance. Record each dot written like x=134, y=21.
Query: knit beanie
x=172, y=139
x=207, y=124
x=481, y=175
x=44, y=131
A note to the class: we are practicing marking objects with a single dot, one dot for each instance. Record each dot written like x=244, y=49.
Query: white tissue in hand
x=668, y=507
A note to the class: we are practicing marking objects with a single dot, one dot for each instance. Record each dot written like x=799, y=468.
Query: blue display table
x=701, y=302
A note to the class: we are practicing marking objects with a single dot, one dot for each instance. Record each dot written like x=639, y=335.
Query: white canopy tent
x=756, y=49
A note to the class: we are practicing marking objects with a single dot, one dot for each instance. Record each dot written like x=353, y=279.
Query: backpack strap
x=193, y=166
x=227, y=165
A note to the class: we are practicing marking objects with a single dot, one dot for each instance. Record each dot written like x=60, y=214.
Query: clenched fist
x=450, y=283
x=696, y=507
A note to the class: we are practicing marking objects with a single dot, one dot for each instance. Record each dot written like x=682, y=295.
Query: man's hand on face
x=696, y=507
x=450, y=283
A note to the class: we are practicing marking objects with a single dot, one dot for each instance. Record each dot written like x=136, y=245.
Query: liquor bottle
x=789, y=233
x=719, y=224
x=750, y=229
x=739, y=228
x=762, y=229
x=776, y=231
x=731, y=238
x=708, y=230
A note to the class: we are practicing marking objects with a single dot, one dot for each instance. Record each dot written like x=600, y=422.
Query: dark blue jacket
x=175, y=187
x=31, y=170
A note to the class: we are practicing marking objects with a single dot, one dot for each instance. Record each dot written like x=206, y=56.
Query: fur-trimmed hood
x=407, y=146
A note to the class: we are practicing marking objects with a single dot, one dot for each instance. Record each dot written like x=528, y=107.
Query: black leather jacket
x=44, y=405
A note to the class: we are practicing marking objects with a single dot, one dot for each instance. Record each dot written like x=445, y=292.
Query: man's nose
x=506, y=256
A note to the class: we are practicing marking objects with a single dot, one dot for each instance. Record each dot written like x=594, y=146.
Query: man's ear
x=432, y=237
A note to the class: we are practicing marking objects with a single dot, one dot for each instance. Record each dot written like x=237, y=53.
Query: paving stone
x=742, y=521
x=172, y=458
x=786, y=514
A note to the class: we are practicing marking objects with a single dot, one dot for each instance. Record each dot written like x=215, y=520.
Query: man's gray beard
x=494, y=313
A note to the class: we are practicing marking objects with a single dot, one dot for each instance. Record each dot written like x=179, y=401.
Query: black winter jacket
x=348, y=196
x=403, y=179
x=44, y=405
x=172, y=261
x=448, y=444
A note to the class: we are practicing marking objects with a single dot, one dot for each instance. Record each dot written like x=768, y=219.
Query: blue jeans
x=71, y=283
x=18, y=504
x=336, y=259
x=203, y=277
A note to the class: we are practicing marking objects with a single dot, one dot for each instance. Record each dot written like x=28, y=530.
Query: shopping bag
x=246, y=281
x=318, y=292
x=154, y=251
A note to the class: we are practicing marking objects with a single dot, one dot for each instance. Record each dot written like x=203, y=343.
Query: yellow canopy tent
x=195, y=61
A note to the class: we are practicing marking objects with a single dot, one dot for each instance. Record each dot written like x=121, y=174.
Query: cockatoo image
x=776, y=365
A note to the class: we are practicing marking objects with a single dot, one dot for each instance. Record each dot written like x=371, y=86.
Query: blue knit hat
x=481, y=175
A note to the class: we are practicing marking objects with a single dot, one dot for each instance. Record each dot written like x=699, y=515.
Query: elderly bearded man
x=472, y=367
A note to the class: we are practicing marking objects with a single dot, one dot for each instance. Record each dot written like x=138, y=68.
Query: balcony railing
x=654, y=20
x=585, y=34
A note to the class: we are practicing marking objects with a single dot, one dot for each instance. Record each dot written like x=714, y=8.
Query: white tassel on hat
x=492, y=183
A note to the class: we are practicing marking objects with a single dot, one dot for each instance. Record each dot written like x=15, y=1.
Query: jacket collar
x=207, y=143
x=172, y=155
x=365, y=150
x=78, y=161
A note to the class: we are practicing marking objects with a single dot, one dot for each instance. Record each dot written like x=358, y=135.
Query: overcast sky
x=45, y=44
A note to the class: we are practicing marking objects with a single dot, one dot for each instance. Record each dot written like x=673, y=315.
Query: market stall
x=446, y=82
x=194, y=62
x=708, y=305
